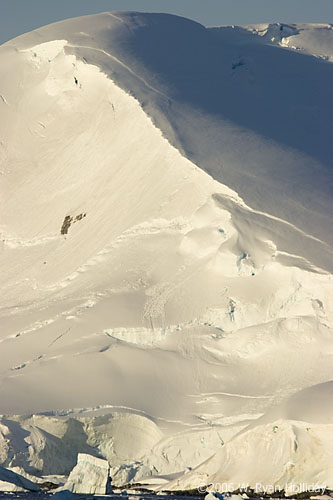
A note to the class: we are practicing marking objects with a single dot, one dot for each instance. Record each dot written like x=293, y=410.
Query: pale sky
x=21, y=16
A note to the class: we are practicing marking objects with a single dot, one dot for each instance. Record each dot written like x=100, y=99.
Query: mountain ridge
x=136, y=277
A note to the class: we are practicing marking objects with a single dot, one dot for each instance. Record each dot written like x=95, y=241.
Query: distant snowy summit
x=166, y=252
x=312, y=39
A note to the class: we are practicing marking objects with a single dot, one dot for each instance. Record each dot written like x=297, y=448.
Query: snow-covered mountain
x=166, y=250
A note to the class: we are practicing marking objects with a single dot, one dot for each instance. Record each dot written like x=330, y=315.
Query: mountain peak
x=166, y=248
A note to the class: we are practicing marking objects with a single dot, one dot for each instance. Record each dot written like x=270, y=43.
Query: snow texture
x=166, y=250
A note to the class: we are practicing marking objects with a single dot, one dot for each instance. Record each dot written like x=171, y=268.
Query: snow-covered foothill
x=288, y=449
x=44, y=445
x=89, y=476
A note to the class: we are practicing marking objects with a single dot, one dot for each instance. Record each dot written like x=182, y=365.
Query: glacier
x=166, y=251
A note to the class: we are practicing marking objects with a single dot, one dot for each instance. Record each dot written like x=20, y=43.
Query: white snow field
x=166, y=250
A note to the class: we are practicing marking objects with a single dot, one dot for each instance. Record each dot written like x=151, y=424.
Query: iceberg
x=11, y=481
x=89, y=476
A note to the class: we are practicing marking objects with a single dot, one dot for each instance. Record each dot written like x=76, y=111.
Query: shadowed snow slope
x=10, y=481
x=165, y=242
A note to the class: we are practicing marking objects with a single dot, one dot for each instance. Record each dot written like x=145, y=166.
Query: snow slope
x=289, y=448
x=166, y=244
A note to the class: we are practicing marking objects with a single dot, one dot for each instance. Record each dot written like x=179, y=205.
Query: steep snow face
x=165, y=243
